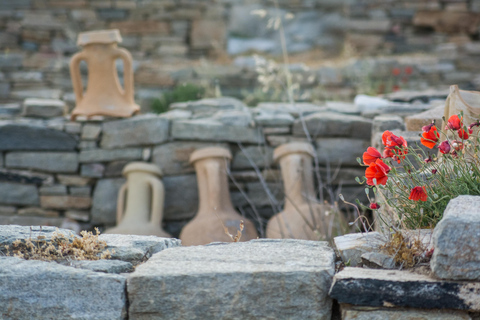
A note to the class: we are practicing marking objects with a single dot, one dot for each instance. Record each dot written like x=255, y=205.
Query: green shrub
x=181, y=93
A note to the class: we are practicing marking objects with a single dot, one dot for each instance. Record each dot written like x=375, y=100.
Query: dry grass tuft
x=407, y=252
x=61, y=247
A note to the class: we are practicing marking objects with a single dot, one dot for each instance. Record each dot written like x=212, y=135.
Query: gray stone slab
x=394, y=288
x=31, y=221
x=294, y=110
x=210, y=130
x=389, y=122
x=18, y=194
x=104, y=203
x=10, y=233
x=103, y=155
x=55, y=190
x=340, y=151
x=92, y=170
x=359, y=313
x=208, y=107
x=352, y=246
x=260, y=156
x=332, y=124
x=136, y=249
x=259, y=279
x=31, y=289
x=33, y=137
x=80, y=191
x=44, y=108
x=56, y=162
x=107, y=266
x=72, y=180
x=456, y=240
x=91, y=131
x=137, y=131
x=181, y=201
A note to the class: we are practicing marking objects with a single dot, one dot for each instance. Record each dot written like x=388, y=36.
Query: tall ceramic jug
x=215, y=206
x=104, y=95
x=302, y=216
x=142, y=213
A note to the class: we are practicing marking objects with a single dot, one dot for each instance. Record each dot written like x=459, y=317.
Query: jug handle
x=121, y=202
x=127, y=72
x=158, y=199
x=76, y=78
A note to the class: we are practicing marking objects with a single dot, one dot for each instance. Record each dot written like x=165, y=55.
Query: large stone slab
x=394, y=288
x=260, y=156
x=181, y=201
x=65, y=202
x=18, y=194
x=359, y=313
x=31, y=221
x=34, y=137
x=24, y=176
x=332, y=124
x=58, y=162
x=259, y=279
x=10, y=233
x=104, y=203
x=456, y=240
x=352, y=246
x=140, y=130
x=417, y=121
x=340, y=151
x=173, y=157
x=104, y=155
x=31, y=289
x=210, y=130
x=107, y=266
x=208, y=107
x=44, y=108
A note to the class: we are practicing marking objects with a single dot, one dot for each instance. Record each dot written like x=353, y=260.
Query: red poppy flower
x=371, y=155
x=408, y=70
x=396, y=71
x=374, y=206
x=418, y=193
x=396, y=88
x=444, y=147
x=429, y=139
x=434, y=171
x=457, y=145
x=391, y=141
x=377, y=170
x=454, y=122
x=462, y=134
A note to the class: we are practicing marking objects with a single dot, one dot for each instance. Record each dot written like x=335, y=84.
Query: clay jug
x=104, y=95
x=142, y=213
x=215, y=206
x=302, y=216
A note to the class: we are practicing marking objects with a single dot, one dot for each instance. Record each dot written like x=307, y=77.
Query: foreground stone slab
x=10, y=233
x=456, y=240
x=368, y=313
x=352, y=246
x=259, y=279
x=389, y=288
x=31, y=289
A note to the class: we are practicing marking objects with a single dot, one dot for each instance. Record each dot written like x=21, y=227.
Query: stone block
x=87, y=145
x=61, y=162
x=359, y=313
x=26, y=177
x=331, y=124
x=260, y=156
x=97, y=295
x=395, y=288
x=389, y=122
x=11, y=60
x=369, y=26
x=340, y=151
x=37, y=212
x=352, y=246
x=275, y=141
x=41, y=21
x=294, y=110
x=208, y=34
x=173, y=157
x=416, y=122
x=209, y=130
x=234, y=118
x=115, y=169
x=33, y=137
x=106, y=266
x=31, y=221
x=18, y=194
x=92, y=170
x=456, y=240
x=112, y=14
x=104, y=204
x=136, y=131
x=274, y=120
x=26, y=76
x=91, y=132
x=259, y=197
x=141, y=27
x=276, y=279
x=73, y=127
x=208, y=107
x=80, y=191
x=44, y=108
x=8, y=210
x=65, y=202
x=78, y=215
x=181, y=201
x=72, y=180
x=103, y=155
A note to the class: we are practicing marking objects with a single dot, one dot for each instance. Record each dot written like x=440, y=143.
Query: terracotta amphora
x=302, y=216
x=215, y=206
x=104, y=95
x=144, y=192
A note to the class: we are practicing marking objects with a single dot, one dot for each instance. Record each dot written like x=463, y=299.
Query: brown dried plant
x=238, y=236
x=407, y=252
x=61, y=247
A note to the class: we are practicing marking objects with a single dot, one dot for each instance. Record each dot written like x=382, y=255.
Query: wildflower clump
x=416, y=186
x=61, y=247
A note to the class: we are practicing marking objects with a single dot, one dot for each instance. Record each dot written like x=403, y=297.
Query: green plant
x=415, y=186
x=182, y=93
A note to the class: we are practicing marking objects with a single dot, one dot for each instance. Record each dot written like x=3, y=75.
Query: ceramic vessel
x=302, y=216
x=215, y=206
x=104, y=95
x=142, y=211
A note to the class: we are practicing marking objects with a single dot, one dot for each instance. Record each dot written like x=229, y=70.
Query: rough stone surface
x=103, y=155
x=107, y=266
x=92, y=170
x=377, y=260
x=173, y=157
x=104, y=203
x=293, y=109
x=37, y=212
x=10, y=233
x=394, y=288
x=43, y=290
x=359, y=313
x=416, y=122
x=136, y=249
x=65, y=202
x=32, y=137
x=31, y=221
x=233, y=118
x=44, y=108
x=61, y=162
x=352, y=246
x=456, y=240
x=181, y=201
x=55, y=190
x=91, y=131
x=71, y=180
x=208, y=107
x=340, y=151
x=261, y=156
x=139, y=130
x=332, y=124
x=274, y=119
x=389, y=122
x=20, y=194
x=211, y=130
x=276, y=279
